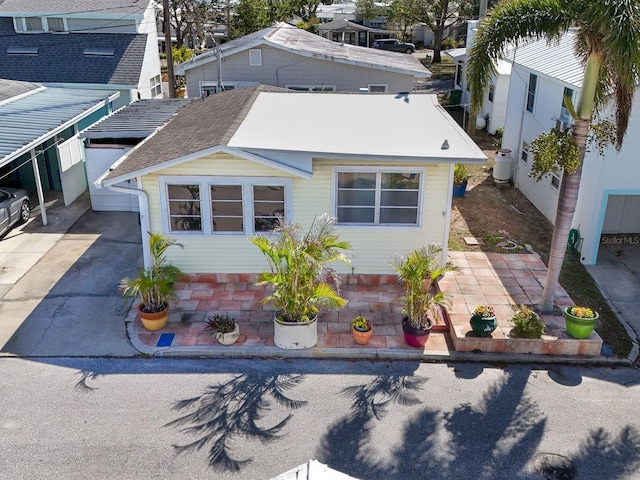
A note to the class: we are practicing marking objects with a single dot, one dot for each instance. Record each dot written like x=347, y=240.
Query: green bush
x=527, y=323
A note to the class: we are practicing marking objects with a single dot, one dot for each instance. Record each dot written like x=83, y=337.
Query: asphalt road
x=254, y=419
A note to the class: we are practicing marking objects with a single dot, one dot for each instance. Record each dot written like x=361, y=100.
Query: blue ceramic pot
x=483, y=326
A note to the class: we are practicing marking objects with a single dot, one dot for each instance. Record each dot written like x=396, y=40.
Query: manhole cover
x=555, y=467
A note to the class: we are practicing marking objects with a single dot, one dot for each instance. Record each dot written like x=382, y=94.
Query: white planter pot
x=292, y=336
x=228, y=338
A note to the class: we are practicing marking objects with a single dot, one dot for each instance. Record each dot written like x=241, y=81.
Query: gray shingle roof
x=200, y=125
x=99, y=7
x=12, y=88
x=300, y=41
x=137, y=120
x=60, y=57
x=32, y=117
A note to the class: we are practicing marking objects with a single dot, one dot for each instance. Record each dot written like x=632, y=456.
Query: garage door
x=622, y=215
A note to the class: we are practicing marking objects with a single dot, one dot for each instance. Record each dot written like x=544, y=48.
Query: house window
x=378, y=197
x=377, y=88
x=564, y=120
x=531, y=92
x=185, y=212
x=156, y=86
x=232, y=204
x=525, y=152
x=555, y=179
x=255, y=57
x=312, y=88
x=459, y=74
x=34, y=24
x=55, y=24
x=209, y=88
x=492, y=91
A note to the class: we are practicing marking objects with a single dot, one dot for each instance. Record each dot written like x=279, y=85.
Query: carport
x=39, y=148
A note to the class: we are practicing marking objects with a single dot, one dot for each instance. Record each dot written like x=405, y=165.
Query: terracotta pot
x=228, y=338
x=153, y=321
x=361, y=338
x=414, y=337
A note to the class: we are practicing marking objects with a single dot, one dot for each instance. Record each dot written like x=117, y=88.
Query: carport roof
x=136, y=120
x=39, y=113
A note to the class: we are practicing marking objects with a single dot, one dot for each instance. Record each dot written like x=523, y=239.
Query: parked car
x=14, y=207
x=394, y=45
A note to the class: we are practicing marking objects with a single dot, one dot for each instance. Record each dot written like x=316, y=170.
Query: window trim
x=460, y=74
x=383, y=85
x=531, y=94
x=525, y=150
x=492, y=92
x=155, y=84
x=310, y=88
x=557, y=176
x=213, y=86
x=255, y=57
x=378, y=170
x=205, y=182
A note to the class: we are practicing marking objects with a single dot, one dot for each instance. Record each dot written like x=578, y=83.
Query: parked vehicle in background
x=394, y=45
x=14, y=207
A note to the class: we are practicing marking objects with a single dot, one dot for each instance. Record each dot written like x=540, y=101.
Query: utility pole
x=218, y=65
x=168, y=49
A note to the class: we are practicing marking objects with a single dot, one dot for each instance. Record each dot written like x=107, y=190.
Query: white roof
x=557, y=60
x=390, y=127
x=313, y=470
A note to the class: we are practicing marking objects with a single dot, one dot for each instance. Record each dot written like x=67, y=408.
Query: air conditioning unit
x=562, y=125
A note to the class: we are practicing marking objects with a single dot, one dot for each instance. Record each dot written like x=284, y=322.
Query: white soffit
x=402, y=126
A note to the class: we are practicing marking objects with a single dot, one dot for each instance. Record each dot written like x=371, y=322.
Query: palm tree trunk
x=568, y=196
x=567, y=201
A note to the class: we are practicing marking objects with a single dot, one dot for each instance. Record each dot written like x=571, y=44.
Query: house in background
x=228, y=166
x=288, y=57
x=344, y=31
x=609, y=197
x=39, y=150
x=93, y=44
x=494, y=108
x=110, y=138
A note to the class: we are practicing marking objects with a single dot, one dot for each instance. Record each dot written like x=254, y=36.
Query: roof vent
x=99, y=52
x=22, y=50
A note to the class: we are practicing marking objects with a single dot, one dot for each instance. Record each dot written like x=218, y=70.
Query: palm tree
x=608, y=41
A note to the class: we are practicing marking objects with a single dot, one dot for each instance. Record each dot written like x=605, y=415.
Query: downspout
x=145, y=226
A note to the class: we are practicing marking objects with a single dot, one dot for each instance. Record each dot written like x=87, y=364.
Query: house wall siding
x=281, y=68
x=151, y=63
x=372, y=246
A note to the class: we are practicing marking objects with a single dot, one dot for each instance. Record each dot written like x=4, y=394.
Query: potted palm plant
x=153, y=285
x=418, y=272
x=461, y=175
x=303, y=283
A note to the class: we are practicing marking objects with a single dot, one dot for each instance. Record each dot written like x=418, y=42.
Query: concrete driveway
x=59, y=283
x=617, y=274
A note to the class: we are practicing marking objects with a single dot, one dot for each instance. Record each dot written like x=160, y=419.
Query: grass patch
x=583, y=290
x=446, y=67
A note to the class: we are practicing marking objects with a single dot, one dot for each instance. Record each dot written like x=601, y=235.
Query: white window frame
x=378, y=170
x=205, y=182
x=155, y=85
x=531, y=94
x=65, y=26
x=524, y=154
x=213, y=86
x=384, y=86
x=255, y=57
x=312, y=88
x=556, y=179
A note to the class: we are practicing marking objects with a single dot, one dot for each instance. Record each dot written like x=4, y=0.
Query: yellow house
x=228, y=166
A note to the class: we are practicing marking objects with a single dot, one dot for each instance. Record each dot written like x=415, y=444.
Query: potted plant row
x=301, y=278
x=154, y=284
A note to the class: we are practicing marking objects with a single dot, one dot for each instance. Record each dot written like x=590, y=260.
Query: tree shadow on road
x=231, y=410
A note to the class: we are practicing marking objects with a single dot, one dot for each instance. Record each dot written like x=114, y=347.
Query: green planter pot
x=483, y=326
x=579, y=327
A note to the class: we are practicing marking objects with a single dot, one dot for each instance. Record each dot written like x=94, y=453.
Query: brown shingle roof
x=202, y=124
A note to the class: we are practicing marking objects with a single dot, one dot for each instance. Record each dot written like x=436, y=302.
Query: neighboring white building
x=89, y=44
x=609, y=198
x=495, y=100
x=288, y=57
